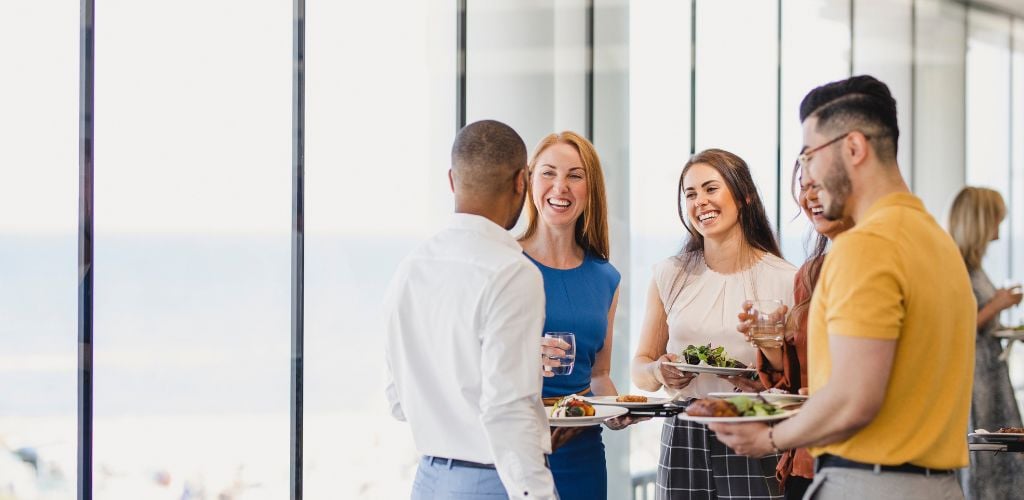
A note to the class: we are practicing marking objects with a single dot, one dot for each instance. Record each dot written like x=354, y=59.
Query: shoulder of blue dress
x=604, y=267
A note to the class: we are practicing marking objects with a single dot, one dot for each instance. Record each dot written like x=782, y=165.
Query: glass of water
x=769, y=328
x=569, y=358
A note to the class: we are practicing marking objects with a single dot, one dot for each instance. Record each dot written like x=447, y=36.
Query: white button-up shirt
x=464, y=313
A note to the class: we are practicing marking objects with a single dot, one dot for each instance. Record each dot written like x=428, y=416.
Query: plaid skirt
x=696, y=465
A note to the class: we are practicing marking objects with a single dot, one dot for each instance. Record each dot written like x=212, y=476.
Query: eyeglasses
x=805, y=157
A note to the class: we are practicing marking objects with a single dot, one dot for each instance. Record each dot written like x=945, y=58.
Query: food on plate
x=572, y=406
x=629, y=398
x=711, y=408
x=1011, y=430
x=707, y=355
x=739, y=406
x=776, y=390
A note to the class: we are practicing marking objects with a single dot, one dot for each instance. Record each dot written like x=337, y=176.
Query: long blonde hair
x=973, y=221
x=592, y=227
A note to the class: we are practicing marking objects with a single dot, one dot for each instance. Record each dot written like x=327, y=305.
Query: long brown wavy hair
x=592, y=227
x=753, y=221
x=757, y=231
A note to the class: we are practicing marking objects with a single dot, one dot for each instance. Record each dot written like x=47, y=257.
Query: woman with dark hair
x=567, y=239
x=731, y=256
x=974, y=223
x=786, y=367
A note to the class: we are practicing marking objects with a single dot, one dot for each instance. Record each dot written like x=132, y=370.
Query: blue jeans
x=438, y=479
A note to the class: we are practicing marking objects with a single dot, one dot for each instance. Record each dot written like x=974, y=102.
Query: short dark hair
x=485, y=155
x=857, y=103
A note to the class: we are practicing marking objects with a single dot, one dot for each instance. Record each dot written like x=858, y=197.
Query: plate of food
x=781, y=397
x=734, y=410
x=1003, y=435
x=1015, y=333
x=727, y=395
x=628, y=401
x=707, y=359
x=574, y=411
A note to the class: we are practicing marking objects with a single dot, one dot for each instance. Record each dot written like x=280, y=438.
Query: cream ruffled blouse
x=704, y=309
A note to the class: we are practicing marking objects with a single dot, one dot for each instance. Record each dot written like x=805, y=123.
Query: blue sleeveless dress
x=577, y=301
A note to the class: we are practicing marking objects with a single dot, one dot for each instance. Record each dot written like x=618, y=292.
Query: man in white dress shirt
x=464, y=316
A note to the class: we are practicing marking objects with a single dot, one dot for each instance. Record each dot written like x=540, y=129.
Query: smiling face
x=814, y=209
x=826, y=166
x=558, y=185
x=710, y=206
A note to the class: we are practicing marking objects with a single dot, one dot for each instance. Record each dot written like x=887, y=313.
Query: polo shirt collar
x=901, y=199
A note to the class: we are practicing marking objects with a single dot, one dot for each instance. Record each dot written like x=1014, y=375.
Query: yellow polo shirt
x=898, y=275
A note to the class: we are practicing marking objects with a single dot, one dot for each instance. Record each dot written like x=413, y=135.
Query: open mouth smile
x=559, y=204
x=708, y=217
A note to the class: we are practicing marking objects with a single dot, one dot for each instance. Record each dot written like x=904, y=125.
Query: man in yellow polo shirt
x=892, y=322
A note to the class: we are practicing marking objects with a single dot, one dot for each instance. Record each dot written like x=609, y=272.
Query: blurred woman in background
x=974, y=222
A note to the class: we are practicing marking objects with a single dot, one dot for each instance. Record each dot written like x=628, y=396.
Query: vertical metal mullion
x=778, y=121
x=851, y=37
x=298, y=248
x=460, y=65
x=86, y=76
x=693, y=77
x=967, y=43
x=913, y=94
x=589, y=91
x=1009, y=192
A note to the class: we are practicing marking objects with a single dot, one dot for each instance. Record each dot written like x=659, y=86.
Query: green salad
x=750, y=407
x=717, y=356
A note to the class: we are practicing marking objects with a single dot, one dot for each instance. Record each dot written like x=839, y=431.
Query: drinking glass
x=769, y=326
x=1011, y=316
x=569, y=358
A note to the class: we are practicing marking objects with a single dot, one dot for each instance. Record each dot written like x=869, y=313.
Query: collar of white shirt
x=484, y=226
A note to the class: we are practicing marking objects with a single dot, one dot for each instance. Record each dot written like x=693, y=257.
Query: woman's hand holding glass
x=553, y=351
x=763, y=323
x=1006, y=298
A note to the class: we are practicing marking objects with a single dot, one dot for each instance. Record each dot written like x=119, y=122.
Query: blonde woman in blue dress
x=567, y=238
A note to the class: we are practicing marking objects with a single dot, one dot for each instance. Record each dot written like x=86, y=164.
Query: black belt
x=454, y=462
x=827, y=460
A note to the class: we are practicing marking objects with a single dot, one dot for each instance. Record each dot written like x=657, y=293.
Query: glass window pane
x=1016, y=203
x=510, y=65
x=38, y=247
x=380, y=120
x=988, y=120
x=659, y=121
x=883, y=49
x=193, y=197
x=737, y=90
x=815, y=51
x=939, y=105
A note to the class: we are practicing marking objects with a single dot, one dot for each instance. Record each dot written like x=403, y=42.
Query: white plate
x=601, y=413
x=652, y=402
x=998, y=437
x=783, y=398
x=1010, y=334
x=737, y=420
x=715, y=370
x=727, y=395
